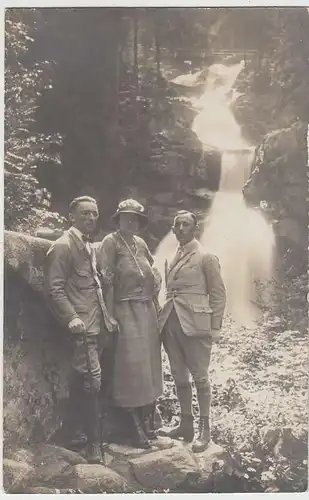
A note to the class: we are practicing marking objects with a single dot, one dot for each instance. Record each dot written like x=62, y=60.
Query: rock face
x=280, y=178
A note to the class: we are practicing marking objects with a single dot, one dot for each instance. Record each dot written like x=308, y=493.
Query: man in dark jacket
x=74, y=293
x=190, y=320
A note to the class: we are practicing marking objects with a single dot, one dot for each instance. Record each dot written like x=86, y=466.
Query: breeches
x=87, y=351
x=187, y=354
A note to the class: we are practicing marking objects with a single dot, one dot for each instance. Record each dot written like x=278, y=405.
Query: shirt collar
x=187, y=247
x=77, y=233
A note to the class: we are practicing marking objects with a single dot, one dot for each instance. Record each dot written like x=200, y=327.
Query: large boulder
x=167, y=468
x=93, y=478
x=16, y=475
x=42, y=490
x=52, y=469
x=51, y=474
x=35, y=367
x=25, y=255
x=45, y=454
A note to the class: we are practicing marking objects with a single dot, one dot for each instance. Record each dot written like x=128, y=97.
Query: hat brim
x=143, y=217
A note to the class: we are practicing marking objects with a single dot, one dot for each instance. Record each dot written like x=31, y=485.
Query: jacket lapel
x=181, y=262
x=173, y=263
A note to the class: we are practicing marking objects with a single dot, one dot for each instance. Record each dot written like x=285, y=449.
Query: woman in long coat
x=131, y=287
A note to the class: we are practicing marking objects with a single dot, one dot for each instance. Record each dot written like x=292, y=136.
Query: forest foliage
x=26, y=202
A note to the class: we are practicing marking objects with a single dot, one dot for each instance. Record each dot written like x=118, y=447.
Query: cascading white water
x=240, y=237
x=237, y=234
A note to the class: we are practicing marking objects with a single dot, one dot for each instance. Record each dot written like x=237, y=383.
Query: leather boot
x=72, y=428
x=140, y=438
x=184, y=429
x=94, y=454
x=93, y=428
x=203, y=439
x=148, y=415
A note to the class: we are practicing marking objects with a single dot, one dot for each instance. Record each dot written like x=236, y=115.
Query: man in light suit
x=190, y=321
x=75, y=297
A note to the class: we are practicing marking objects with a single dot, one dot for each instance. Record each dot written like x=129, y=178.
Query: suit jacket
x=70, y=287
x=195, y=289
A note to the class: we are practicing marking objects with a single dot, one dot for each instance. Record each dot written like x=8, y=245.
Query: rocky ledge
x=169, y=466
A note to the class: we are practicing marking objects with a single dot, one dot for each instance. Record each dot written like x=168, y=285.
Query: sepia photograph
x=155, y=334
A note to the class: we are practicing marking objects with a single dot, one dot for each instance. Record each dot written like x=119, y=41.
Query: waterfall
x=239, y=235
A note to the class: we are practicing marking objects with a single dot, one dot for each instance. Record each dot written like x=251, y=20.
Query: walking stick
x=88, y=362
x=91, y=384
x=109, y=362
x=111, y=366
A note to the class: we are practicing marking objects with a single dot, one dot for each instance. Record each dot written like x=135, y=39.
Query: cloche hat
x=132, y=207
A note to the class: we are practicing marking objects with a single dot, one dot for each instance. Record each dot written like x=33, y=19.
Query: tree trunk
x=135, y=45
x=116, y=92
x=135, y=64
x=158, y=47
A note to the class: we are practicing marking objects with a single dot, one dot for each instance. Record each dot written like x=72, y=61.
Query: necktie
x=178, y=255
x=180, y=252
x=87, y=239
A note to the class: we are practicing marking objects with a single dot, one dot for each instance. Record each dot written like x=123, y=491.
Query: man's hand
x=114, y=324
x=77, y=326
x=157, y=305
x=215, y=335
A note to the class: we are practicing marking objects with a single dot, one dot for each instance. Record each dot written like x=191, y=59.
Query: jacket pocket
x=201, y=309
x=82, y=273
x=202, y=318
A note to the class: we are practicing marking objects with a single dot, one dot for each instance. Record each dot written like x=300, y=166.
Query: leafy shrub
x=25, y=202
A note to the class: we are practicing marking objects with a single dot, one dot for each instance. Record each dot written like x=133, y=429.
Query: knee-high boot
x=185, y=427
x=203, y=438
x=140, y=438
x=148, y=415
x=72, y=428
x=92, y=418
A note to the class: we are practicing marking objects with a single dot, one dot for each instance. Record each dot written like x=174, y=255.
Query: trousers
x=84, y=405
x=86, y=355
x=187, y=354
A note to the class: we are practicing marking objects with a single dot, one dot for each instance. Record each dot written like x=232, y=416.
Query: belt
x=174, y=293
x=135, y=298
